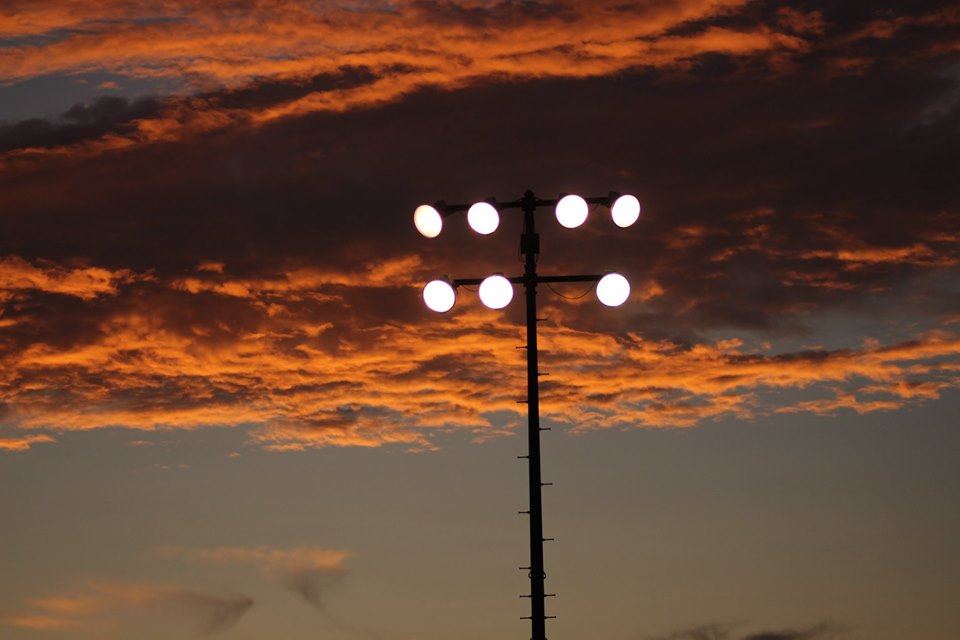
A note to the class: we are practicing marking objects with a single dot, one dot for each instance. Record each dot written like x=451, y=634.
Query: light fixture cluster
x=496, y=291
x=571, y=211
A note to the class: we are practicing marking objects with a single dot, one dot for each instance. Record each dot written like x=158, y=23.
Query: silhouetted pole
x=442, y=296
x=530, y=246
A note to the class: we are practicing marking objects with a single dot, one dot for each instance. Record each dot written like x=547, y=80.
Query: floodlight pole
x=530, y=248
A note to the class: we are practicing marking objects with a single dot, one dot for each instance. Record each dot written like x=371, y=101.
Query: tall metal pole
x=530, y=247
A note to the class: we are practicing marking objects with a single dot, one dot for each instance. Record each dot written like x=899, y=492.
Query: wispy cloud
x=95, y=605
x=229, y=43
x=86, y=283
x=307, y=571
x=23, y=443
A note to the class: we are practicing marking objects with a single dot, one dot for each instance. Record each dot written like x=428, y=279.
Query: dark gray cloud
x=505, y=12
x=208, y=612
x=706, y=632
x=312, y=583
x=84, y=121
x=265, y=92
x=819, y=631
x=822, y=630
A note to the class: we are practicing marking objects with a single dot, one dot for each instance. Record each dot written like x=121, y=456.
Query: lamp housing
x=613, y=290
x=496, y=292
x=572, y=211
x=439, y=296
x=483, y=218
x=428, y=221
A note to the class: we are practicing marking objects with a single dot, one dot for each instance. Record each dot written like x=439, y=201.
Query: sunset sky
x=225, y=410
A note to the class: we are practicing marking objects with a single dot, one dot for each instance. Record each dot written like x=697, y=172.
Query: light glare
x=496, y=292
x=439, y=296
x=428, y=221
x=613, y=290
x=626, y=211
x=483, y=218
x=572, y=211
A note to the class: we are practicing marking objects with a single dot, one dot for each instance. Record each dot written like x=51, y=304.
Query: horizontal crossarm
x=519, y=279
x=446, y=209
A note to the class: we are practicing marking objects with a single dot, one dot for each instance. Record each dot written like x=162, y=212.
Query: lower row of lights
x=496, y=292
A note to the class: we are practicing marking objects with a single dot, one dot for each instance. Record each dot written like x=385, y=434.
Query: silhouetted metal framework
x=530, y=248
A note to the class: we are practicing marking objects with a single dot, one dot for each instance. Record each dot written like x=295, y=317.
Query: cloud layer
x=240, y=253
x=245, y=64
x=209, y=350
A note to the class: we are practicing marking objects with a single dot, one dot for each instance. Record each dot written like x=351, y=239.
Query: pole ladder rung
x=526, y=512
x=546, y=429
x=519, y=457
x=546, y=484
x=549, y=539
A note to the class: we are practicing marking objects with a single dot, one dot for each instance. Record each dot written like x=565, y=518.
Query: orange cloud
x=85, y=282
x=405, y=46
x=230, y=43
x=857, y=257
x=393, y=272
x=40, y=622
x=22, y=443
x=267, y=557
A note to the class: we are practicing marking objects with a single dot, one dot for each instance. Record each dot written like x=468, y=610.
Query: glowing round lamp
x=613, y=290
x=496, y=292
x=428, y=221
x=571, y=211
x=626, y=211
x=439, y=296
x=483, y=218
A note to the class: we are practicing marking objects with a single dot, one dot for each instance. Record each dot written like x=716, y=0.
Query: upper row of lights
x=484, y=218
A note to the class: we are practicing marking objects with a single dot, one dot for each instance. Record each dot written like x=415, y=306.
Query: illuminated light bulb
x=483, y=218
x=572, y=211
x=626, y=211
x=613, y=290
x=428, y=221
x=439, y=296
x=496, y=292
